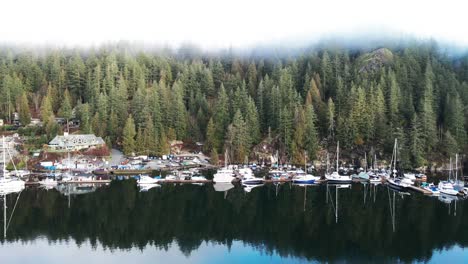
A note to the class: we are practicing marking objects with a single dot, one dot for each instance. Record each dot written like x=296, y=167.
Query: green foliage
x=364, y=99
x=129, y=133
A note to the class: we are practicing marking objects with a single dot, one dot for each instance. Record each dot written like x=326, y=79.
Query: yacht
x=225, y=174
x=145, y=179
x=335, y=177
x=51, y=182
x=8, y=184
x=432, y=188
x=248, y=178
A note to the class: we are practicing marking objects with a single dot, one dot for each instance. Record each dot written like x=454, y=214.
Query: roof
x=77, y=140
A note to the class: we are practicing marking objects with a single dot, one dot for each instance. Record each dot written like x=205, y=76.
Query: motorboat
x=335, y=177
x=145, y=179
x=248, y=178
x=431, y=188
x=305, y=179
x=399, y=183
x=410, y=176
x=48, y=182
x=447, y=188
x=225, y=174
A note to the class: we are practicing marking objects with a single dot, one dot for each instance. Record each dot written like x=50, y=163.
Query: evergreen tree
x=129, y=133
x=24, y=113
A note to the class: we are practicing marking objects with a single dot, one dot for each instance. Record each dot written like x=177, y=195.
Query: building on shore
x=75, y=142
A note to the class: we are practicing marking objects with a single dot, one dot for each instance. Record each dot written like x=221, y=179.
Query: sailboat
x=301, y=177
x=395, y=182
x=447, y=187
x=8, y=184
x=335, y=177
x=225, y=174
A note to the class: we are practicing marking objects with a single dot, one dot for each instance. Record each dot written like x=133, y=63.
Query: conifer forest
x=304, y=102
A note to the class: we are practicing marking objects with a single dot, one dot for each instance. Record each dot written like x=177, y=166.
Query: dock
x=419, y=189
x=32, y=183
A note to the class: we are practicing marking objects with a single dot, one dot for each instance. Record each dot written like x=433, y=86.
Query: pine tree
x=129, y=133
x=24, y=113
x=211, y=138
x=331, y=118
x=66, y=107
x=214, y=157
x=427, y=115
x=416, y=143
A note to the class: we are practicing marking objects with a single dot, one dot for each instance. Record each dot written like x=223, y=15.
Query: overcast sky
x=220, y=24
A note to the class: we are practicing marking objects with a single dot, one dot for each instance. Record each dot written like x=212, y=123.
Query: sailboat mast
x=456, y=167
x=450, y=170
x=365, y=160
x=337, y=154
x=305, y=162
x=4, y=157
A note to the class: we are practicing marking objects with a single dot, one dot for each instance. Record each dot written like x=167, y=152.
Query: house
x=1, y=122
x=75, y=142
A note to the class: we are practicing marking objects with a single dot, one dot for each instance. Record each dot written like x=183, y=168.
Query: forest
x=303, y=102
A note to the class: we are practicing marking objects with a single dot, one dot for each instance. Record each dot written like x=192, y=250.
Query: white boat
x=431, y=188
x=447, y=187
x=198, y=178
x=8, y=184
x=410, y=176
x=248, y=178
x=225, y=174
x=48, y=182
x=145, y=179
x=394, y=182
x=335, y=177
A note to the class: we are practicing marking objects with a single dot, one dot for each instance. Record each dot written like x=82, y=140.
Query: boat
x=431, y=188
x=447, y=187
x=248, y=178
x=145, y=179
x=301, y=177
x=225, y=174
x=50, y=182
x=335, y=177
x=7, y=183
x=410, y=176
x=223, y=187
x=305, y=179
x=394, y=181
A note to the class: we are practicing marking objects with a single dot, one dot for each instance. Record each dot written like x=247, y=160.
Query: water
x=270, y=224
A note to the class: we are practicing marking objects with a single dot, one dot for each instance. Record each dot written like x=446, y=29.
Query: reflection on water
x=284, y=222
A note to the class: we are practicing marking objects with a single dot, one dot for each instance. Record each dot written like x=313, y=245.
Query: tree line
x=141, y=100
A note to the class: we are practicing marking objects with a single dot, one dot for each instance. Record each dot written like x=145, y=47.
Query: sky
x=213, y=24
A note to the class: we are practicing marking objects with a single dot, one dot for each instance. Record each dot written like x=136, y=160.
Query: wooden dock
x=419, y=189
x=31, y=183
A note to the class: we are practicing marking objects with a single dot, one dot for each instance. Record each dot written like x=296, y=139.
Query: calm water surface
x=202, y=224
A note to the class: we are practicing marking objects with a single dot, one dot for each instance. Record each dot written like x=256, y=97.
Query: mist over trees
x=139, y=101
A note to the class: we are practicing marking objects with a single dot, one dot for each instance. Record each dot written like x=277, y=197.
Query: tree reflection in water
x=287, y=219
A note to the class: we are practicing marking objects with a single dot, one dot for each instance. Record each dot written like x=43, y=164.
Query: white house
x=75, y=142
x=1, y=122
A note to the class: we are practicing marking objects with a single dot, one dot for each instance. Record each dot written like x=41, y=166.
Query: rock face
x=373, y=61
